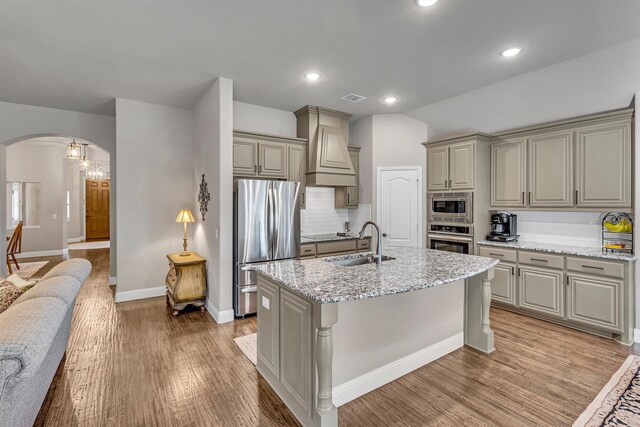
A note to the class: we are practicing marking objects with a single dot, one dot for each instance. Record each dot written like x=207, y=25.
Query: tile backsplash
x=569, y=228
x=320, y=216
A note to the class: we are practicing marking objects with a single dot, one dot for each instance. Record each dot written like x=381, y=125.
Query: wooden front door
x=97, y=209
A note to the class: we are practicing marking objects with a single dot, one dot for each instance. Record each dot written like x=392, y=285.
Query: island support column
x=325, y=316
x=477, y=327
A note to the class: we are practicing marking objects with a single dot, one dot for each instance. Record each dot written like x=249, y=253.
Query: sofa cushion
x=9, y=293
x=27, y=331
x=64, y=288
x=78, y=268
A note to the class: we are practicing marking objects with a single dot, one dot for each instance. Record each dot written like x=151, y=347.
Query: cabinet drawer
x=364, y=244
x=501, y=254
x=541, y=259
x=308, y=251
x=604, y=268
x=331, y=248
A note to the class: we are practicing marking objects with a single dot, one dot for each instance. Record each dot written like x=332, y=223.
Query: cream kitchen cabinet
x=550, y=165
x=245, y=157
x=581, y=163
x=508, y=173
x=272, y=160
x=595, y=301
x=451, y=167
x=603, y=165
x=270, y=157
x=297, y=167
x=542, y=290
x=503, y=285
x=348, y=197
x=588, y=293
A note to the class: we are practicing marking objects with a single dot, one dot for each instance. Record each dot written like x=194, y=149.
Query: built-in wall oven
x=451, y=238
x=451, y=207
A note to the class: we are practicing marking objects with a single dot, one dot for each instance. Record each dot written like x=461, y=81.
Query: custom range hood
x=328, y=163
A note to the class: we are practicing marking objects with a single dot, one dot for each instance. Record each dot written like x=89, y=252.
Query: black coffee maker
x=504, y=227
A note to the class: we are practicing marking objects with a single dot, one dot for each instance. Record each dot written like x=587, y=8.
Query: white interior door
x=399, y=206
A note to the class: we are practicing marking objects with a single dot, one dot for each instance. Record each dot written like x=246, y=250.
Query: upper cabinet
x=297, y=168
x=582, y=163
x=438, y=168
x=508, y=173
x=348, y=197
x=451, y=167
x=270, y=157
x=603, y=165
x=551, y=169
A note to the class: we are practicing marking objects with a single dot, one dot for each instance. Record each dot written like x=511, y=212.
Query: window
x=68, y=206
x=16, y=203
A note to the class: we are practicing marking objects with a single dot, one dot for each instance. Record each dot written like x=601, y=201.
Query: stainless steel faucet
x=378, y=255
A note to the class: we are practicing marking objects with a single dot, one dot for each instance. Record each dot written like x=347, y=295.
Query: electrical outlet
x=54, y=216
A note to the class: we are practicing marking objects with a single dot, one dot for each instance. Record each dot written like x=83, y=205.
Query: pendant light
x=73, y=150
x=84, y=163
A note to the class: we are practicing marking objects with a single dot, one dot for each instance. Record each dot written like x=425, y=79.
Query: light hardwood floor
x=133, y=364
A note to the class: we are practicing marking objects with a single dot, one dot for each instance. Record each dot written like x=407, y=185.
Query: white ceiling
x=80, y=55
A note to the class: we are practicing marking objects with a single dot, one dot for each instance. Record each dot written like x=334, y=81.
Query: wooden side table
x=186, y=281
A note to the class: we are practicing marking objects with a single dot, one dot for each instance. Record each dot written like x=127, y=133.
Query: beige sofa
x=33, y=338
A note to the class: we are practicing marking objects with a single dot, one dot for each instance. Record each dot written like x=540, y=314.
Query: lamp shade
x=185, y=215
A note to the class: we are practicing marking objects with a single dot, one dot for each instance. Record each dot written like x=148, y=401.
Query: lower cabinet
x=595, y=301
x=269, y=339
x=541, y=290
x=503, y=285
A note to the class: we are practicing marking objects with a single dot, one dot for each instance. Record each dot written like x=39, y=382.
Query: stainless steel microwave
x=451, y=207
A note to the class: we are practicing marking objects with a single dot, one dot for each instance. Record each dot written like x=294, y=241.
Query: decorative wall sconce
x=203, y=197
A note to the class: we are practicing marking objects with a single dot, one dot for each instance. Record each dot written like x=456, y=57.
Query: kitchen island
x=329, y=332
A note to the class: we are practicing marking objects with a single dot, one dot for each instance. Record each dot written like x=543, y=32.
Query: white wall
x=636, y=198
x=601, y=81
x=155, y=166
x=213, y=157
x=27, y=162
x=19, y=122
x=396, y=141
x=255, y=118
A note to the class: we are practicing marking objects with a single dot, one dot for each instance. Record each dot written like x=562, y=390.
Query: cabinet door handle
x=255, y=168
x=590, y=266
x=523, y=198
x=519, y=272
x=513, y=271
x=539, y=260
x=449, y=183
x=260, y=169
x=348, y=198
x=529, y=197
x=576, y=197
x=491, y=253
x=567, y=280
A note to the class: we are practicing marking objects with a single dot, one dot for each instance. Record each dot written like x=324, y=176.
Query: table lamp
x=185, y=216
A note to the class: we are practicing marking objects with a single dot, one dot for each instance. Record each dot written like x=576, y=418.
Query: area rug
x=618, y=404
x=28, y=269
x=249, y=346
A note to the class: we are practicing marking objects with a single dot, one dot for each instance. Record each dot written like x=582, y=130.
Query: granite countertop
x=328, y=237
x=412, y=270
x=553, y=248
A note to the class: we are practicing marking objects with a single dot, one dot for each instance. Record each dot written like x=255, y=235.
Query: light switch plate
x=265, y=302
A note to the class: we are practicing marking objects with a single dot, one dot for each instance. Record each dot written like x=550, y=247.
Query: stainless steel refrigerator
x=266, y=228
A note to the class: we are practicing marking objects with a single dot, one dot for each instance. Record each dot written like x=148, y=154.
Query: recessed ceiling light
x=512, y=51
x=426, y=3
x=312, y=77
x=390, y=100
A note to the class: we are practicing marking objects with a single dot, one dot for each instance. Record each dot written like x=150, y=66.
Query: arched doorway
x=70, y=212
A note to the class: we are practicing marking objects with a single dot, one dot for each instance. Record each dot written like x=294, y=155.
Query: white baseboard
x=140, y=294
x=113, y=280
x=75, y=239
x=363, y=384
x=636, y=335
x=224, y=316
x=54, y=252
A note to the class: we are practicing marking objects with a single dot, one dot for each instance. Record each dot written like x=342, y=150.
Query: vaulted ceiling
x=79, y=55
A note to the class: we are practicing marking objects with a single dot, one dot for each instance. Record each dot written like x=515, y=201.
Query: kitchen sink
x=359, y=260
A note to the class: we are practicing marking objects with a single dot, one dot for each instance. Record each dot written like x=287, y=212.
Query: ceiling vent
x=353, y=98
